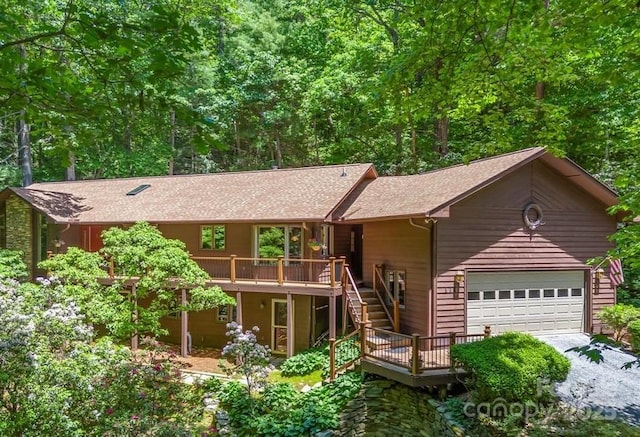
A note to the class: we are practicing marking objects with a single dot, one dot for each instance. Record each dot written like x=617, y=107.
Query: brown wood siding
x=400, y=246
x=342, y=241
x=486, y=232
x=208, y=332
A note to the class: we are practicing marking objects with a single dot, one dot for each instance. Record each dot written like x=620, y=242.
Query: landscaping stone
x=383, y=408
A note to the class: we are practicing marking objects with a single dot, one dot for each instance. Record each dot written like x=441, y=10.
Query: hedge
x=513, y=366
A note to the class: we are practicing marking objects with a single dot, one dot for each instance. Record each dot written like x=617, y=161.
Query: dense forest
x=111, y=88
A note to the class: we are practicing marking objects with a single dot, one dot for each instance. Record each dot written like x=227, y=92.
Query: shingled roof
x=426, y=194
x=300, y=194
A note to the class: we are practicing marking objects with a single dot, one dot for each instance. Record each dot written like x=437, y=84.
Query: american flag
x=615, y=272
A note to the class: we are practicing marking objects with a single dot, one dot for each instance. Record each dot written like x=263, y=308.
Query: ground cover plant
x=317, y=358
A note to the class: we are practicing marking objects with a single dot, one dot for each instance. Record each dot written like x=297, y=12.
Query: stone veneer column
x=20, y=229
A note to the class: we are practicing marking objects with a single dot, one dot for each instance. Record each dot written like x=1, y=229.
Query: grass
x=297, y=381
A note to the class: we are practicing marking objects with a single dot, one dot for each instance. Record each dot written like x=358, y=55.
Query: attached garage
x=538, y=302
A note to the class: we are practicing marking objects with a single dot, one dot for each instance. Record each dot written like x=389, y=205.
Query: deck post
x=280, y=269
x=332, y=316
x=487, y=331
x=232, y=268
x=363, y=339
x=415, y=354
x=452, y=341
x=396, y=316
x=365, y=313
x=184, y=326
x=239, y=308
x=344, y=313
x=332, y=359
x=111, y=268
x=332, y=273
x=290, y=327
x=134, y=318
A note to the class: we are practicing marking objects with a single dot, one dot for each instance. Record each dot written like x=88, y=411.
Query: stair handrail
x=377, y=278
x=349, y=280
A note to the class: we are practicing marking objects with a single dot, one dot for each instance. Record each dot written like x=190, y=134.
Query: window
x=3, y=226
x=489, y=295
x=212, y=237
x=42, y=234
x=396, y=283
x=275, y=241
x=534, y=294
x=504, y=294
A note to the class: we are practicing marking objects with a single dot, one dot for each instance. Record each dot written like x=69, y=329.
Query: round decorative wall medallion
x=532, y=216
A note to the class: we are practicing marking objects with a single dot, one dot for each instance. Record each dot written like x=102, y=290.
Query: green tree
x=160, y=268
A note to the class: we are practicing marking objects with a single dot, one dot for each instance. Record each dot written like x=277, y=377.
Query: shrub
x=634, y=330
x=11, y=264
x=617, y=317
x=317, y=358
x=281, y=411
x=304, y=363
x=511, y=366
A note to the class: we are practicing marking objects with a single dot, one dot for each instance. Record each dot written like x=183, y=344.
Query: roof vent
x=344, y=172
x=138, y=189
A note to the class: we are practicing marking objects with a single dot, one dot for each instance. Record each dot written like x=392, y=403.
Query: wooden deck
x=424, y=378
x=413, y=360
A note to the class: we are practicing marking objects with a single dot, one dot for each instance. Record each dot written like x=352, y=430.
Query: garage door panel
x=535, y=302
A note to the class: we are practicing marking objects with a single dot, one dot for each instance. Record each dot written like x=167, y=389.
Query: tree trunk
x=441, y=131
x=24, y=144
x=172, y=140
x=278, y=151
x=70, y=173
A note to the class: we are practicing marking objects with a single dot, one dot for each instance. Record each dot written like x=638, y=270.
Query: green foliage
x=634, y=331
x=55, y=380
x=12, y=265
x=317, y=358
x=161, y=267
x=76, y=266
x=511, y=366
x=282, y=411
x=617, y=317
x=271, y=243
x=304, y=363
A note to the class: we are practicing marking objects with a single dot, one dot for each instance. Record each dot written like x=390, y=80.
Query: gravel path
x=604, y=387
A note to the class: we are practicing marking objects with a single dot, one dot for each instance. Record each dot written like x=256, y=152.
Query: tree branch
x=43, y=35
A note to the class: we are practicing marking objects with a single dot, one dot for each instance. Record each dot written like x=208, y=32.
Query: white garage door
x=536, y=302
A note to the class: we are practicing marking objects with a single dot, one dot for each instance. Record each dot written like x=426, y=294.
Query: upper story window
x=280, y=240
x=212, y=237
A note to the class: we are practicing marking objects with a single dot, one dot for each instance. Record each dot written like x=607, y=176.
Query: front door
x=279, y=332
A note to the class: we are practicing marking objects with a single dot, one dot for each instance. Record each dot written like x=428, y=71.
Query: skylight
x=138, y=189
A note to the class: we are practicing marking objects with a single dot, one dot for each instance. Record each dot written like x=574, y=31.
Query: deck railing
x=413, y=352
x=355, y=302
x=386, y=298
x=341, y=353
x=278, y=270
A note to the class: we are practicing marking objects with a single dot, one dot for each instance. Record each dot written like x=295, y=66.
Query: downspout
x=431, y=227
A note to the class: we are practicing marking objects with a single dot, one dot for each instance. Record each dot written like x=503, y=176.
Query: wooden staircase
x=376, y=316
x=364, y=305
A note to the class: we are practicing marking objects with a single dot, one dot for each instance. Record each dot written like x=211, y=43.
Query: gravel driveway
x=604, y=387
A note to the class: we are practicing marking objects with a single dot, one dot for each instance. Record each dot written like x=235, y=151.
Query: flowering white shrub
x=246, y=356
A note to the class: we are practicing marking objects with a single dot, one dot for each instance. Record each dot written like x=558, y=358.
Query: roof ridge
x=134, y=178
x=475, y=161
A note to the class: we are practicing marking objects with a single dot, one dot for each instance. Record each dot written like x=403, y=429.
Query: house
x=500, y=242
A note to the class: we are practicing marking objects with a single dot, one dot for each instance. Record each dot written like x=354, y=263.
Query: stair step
x=381, y=341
